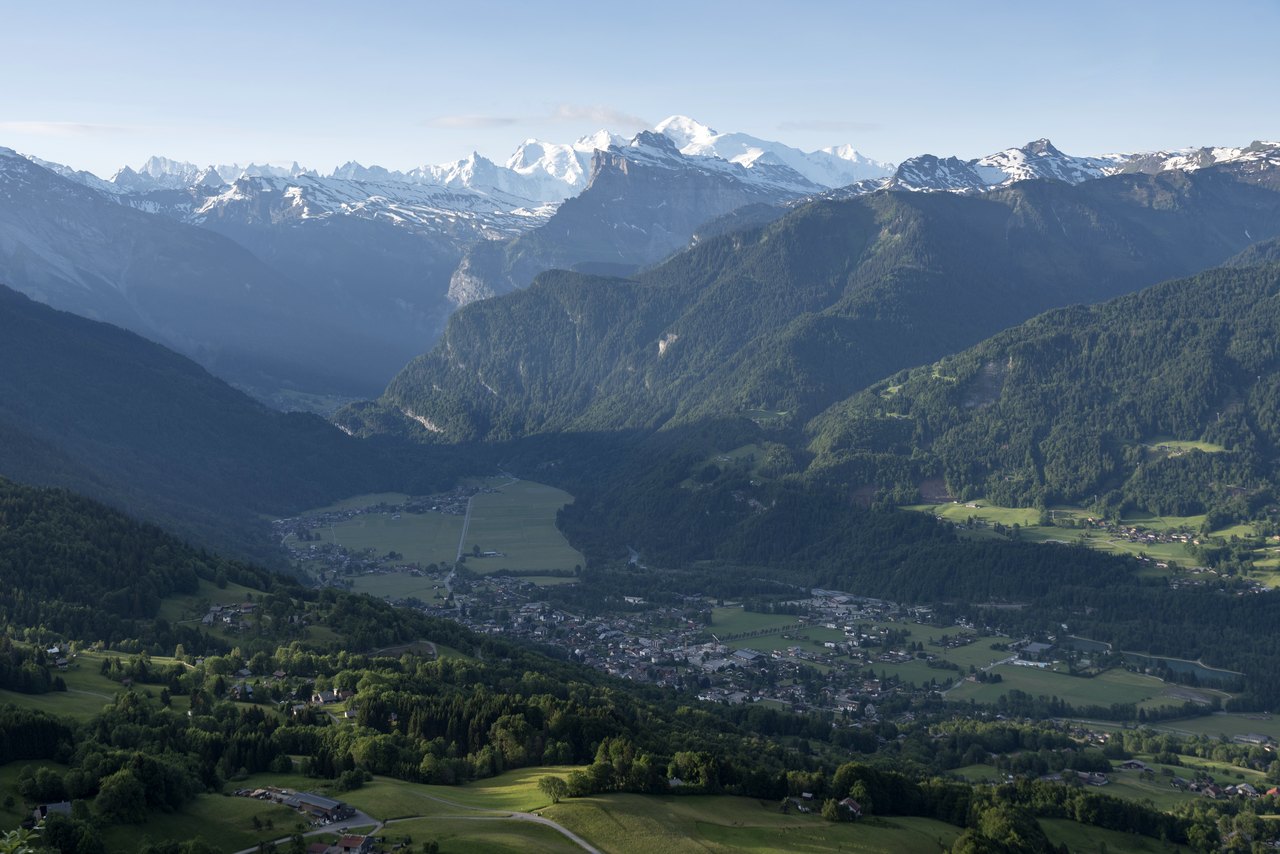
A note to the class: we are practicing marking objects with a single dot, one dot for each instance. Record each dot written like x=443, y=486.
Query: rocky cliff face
x=643, y=202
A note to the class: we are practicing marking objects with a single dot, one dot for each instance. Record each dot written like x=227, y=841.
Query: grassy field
x=978, y=773
x=1028, y=520
x=225, y=823
x=385, y=798
x=423, y=538
x=88, y=690
x=1225, y=724
x=192, y=606
x=1113, y=686
x=961, y=512
x=514, y=790
x=732, y=619
x=1131, y=787
x=482, y=834
x=519, y=520
x=1082, y=839
x=1174, y=447
x=621, y=824
x=400, y=585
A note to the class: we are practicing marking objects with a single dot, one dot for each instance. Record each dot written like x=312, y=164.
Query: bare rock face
x=469, y=283
x=644, y=201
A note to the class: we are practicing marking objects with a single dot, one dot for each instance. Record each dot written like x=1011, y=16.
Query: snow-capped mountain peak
x=1040, y=159
x=169, y=172
x=830, y=167
x=558, y=170
x=686, y=132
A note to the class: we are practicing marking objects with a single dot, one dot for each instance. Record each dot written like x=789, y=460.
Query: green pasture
x=193, y=606
x=514, y=790
x=961, y=512
x=1174, y=447
x=401, y=585
x=87, y=690
x=224, y=822
x=622, y=824
x=1113, y=686
x=423, y=538
x=519, y=520
x=1129, y=786
x=978, y=654
x=68, y=704
x=385, y=798
x=1221, y=724
x=1028, y=521
x=482, y=834
x=980, y=773
x=1223, y=772
x=917, y=672
x=1083, y=839
x=732, y=619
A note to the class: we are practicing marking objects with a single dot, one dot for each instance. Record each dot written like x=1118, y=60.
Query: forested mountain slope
x=91, y=407
x=794, y=316
x=1088, y=405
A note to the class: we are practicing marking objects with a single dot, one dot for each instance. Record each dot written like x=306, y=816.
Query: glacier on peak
x=560, y=170
x=836, y=166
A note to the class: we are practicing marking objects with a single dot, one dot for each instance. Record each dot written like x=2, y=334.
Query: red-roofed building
x=355, y=844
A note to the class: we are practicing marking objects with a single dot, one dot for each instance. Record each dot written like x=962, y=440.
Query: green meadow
x=1112, y=686
x=1085, y=840
x=519, y=522
x=1223, y=724
x=87, y=689
x=640, y=824
x=226, y=823
x=423, y=538
x=483, y=834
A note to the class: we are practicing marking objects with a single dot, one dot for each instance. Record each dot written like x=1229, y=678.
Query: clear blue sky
x=99, y=84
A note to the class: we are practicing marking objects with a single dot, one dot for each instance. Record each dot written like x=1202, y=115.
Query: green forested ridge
x=1072, y=407
x=800, y=313
x=88, y=406
x=77, y=570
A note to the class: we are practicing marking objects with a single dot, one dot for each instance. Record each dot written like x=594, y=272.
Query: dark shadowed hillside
x=88, y=406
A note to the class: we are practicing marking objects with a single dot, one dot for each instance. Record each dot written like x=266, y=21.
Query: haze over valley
x=428, y=447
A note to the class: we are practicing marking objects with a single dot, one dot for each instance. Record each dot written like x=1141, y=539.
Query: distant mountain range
x=783, y=320
x=327, y=284
x=307, y=289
